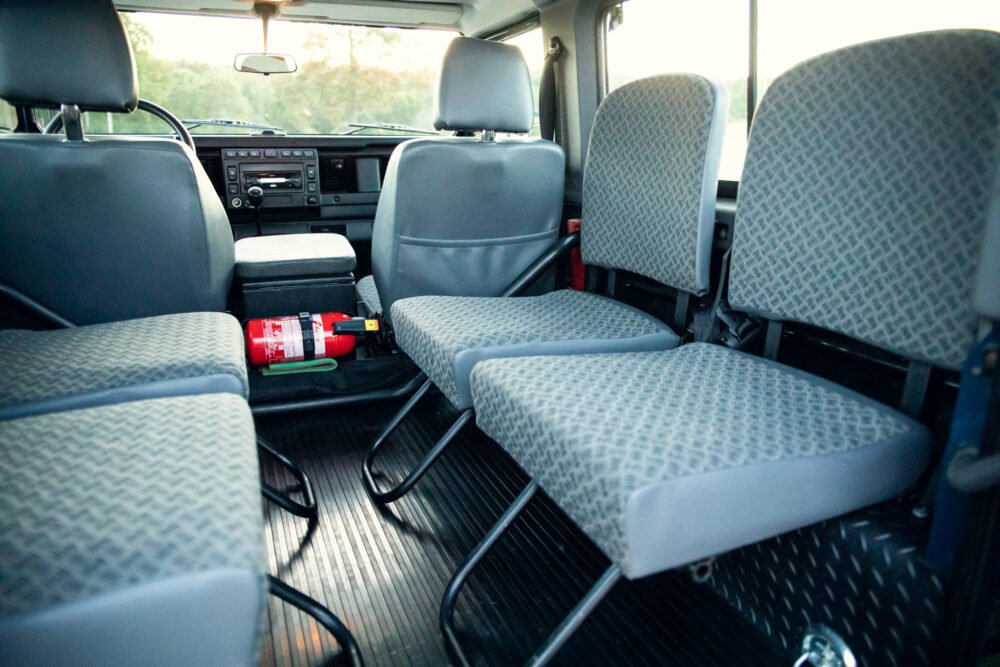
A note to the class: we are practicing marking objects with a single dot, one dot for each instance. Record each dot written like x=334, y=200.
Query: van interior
x=499, y=332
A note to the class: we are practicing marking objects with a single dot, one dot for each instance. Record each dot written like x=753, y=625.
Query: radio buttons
x=312, y=200
x=231, y=172
x=286, y=153
x=254, y=153
x=230, y=154
x=236, y=202
x=311, y=187
x=296, y=153
x=234, y=189
x=270, y=152
x=243, y=154
x=310, y=171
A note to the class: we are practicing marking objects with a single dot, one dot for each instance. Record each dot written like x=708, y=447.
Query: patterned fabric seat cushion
x=125, y=514
x=181, y=354
x=446, y=336
x=368, y=295
x=665, y=458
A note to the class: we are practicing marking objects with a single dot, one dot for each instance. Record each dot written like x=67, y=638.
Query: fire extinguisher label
x=284, y=336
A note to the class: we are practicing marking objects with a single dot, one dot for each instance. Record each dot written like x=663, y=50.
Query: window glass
x=348, y=77
x=790, y=31
x=533, y=48
x=647, y=37
x=8, y=117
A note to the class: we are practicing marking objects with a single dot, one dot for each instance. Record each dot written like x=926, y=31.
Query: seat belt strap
x=966, y=431
x=704, y=326
x=681, y=307
x=548, y=91
x=918, y=376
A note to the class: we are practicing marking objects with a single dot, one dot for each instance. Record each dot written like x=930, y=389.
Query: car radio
x=289, y=177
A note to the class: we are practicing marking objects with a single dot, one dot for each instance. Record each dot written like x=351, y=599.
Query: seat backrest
x=650, y=181
x=99, y=230
x=465, y=216
x=867, y=190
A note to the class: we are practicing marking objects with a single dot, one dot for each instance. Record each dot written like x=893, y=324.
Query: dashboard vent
x=337, y=174
x=212, y=165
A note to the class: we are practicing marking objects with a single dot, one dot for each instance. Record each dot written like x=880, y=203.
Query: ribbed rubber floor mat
x=384, y=571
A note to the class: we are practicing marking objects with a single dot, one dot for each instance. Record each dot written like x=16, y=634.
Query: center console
x=287, y=274
x=289, y=177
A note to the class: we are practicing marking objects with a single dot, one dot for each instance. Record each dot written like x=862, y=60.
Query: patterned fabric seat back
x=867, y=190
x=651, y=177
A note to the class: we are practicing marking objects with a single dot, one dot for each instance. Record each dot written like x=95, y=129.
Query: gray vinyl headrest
x=66, y=52
x=483, y=86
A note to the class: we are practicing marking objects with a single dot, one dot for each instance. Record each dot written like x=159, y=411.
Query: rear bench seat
x=102, y=364
x=131, y=534
x=666, y=458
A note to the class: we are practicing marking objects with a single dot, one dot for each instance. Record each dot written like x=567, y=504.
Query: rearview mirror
x=265, y=63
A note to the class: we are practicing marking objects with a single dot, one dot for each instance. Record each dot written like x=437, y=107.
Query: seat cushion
x=100, y=364
x=666, y=458
x=447, y=336
x=132, y=534
x=368, y=295
x=290, y=255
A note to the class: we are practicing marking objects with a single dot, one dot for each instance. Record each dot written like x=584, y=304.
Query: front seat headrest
x=66, y=52
x=483, y=86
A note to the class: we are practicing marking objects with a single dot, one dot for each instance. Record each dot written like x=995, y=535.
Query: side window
x=8, y=118
x=647, y=37
x=531, y=46
x=790, y=31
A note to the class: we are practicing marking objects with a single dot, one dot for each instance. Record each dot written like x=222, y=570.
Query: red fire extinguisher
x=303, y=337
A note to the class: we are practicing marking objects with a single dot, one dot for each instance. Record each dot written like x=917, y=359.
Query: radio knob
x=237, y=202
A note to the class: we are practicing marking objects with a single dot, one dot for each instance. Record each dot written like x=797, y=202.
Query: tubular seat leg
x=324, y=616
x=569, y=625
x=414, y=476
x=307, y=508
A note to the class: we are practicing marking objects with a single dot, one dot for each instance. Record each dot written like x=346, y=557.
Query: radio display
x=273, y=180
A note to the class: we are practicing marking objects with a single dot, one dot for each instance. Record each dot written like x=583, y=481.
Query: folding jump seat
x=103, y=364
x=128, y=247
x=115, y=550
x=866, y=197
x=183, y=354
x=648, y=207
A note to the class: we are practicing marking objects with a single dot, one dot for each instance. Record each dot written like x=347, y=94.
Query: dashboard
x=296, y=172
x=310, y=183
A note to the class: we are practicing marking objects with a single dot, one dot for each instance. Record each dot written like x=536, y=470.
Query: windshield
x=350, y=79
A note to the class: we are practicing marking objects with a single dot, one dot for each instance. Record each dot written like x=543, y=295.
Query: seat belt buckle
x=577, y=271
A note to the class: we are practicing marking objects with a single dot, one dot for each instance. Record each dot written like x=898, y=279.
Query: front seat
x=103, y=229
x=464, y=216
